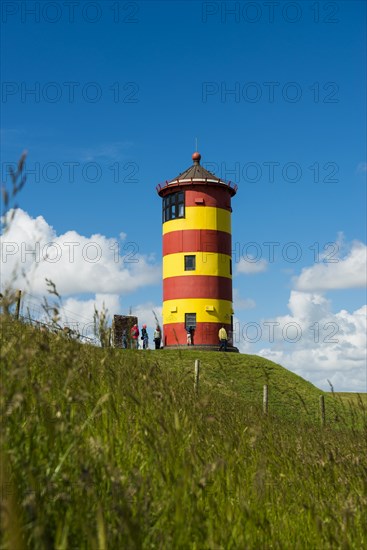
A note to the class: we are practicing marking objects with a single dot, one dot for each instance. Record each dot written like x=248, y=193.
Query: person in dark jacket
x=144, y=337
x=124, y=339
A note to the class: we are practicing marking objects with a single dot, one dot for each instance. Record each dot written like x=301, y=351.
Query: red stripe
x=212, y=196
x=205, y=334
x=197, y=286
x=197, y=240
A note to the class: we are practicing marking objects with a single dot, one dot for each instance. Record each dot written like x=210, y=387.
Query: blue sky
x=277, y=103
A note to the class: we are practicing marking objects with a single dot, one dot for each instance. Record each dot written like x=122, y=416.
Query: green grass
x=242, y=377
x=105, y=448
x=354, y=398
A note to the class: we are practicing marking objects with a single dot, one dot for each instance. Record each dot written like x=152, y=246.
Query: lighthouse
x=197, y=257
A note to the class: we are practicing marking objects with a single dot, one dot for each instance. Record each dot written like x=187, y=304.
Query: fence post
x=197, y=375
x=265, y=399
x=322, y=410
x=17, y=307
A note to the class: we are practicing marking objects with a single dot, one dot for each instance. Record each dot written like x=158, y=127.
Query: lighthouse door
x=190, y=326
x=190, y=320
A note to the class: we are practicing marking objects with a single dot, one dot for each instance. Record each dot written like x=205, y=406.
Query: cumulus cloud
x=318, y=344
x=145, y=315
x=249, y=266
x=349, y=271
x=75, y=263
x=312, y=340
x=145, y=312
x=305, y=306
x=74, y=308
x=79, y=314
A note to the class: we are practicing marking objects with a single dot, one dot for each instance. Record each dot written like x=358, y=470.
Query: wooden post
x=322, y=410
x=265, y=399
x=197, y=374
x=17, y=307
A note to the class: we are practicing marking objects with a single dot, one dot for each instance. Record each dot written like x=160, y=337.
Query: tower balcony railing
x=206, y=181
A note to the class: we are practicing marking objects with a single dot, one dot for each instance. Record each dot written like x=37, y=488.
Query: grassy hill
x=242, y=377
x=105, y=448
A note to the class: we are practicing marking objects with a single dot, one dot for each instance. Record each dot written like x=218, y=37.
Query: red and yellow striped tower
x=197, y=257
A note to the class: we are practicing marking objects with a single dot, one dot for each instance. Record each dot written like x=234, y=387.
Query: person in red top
x=135, y=337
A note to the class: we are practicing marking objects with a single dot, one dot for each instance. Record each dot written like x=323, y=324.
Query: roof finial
x=196, y=156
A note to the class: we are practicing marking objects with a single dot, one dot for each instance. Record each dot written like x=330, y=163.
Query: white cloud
x=349, y=271
x=75, y=263
x=84, y=309
x=312, y=340
x=307, y=306
x=145, y=314
x=78, y=314
x=251, y=267
x=319, y=345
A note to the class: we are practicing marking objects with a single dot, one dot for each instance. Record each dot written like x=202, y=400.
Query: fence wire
x=51, y=315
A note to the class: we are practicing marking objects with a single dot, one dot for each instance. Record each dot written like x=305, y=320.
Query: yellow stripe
x=207, y=310
x=207, y=263
x=201, y=217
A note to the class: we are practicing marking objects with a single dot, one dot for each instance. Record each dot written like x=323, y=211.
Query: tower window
x=230, y=266
x=173, y=206
x=190, y=263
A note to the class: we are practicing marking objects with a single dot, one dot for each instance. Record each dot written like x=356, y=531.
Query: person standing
x=144, y=337
x=223, y=338
x=124, y=339
x=157, y=337
x=135, y=337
